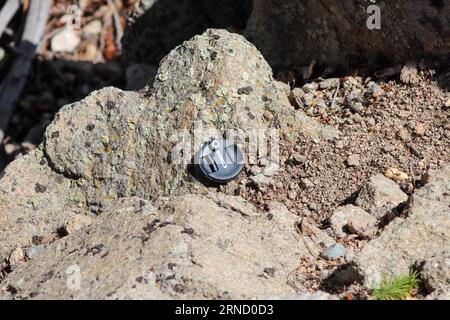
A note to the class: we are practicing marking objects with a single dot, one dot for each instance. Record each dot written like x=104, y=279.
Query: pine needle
x=397, y=288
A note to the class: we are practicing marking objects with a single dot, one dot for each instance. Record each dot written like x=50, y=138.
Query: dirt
x=407, y=128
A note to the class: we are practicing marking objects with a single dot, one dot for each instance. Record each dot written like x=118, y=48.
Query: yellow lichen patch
x=109, y=149
x=198, y=99
x=163, y=76
x=218, y=102
x=116, y=137
x=105, y=139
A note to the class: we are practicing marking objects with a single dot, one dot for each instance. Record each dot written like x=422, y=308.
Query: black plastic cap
x=220, y=161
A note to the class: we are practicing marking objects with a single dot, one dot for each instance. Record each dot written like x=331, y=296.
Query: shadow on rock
x=163, y=24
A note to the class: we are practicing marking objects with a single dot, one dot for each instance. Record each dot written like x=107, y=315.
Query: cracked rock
x=435, y=272
x=186, y=247
x=380, y=195
x=406, y=242
x=77, y=222
x=359, y=219
x=117, y=144
x=34, y=201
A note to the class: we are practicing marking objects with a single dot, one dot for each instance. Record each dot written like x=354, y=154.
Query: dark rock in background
x=334, y=33
x=157, y=26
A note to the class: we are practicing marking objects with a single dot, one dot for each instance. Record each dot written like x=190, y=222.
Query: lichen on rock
x=116, y=144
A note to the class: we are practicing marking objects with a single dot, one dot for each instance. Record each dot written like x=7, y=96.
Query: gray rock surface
x=35, y=202
x=117, y=144
x=180, y=247
x=409, y=241
x=435, y=272
x=380, y=195
x=440, y=294
x=34, y=251
x=357, y=217
x=121, y=143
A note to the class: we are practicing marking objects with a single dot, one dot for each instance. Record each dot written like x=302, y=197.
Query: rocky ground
x=362, y=190
x=384, y=126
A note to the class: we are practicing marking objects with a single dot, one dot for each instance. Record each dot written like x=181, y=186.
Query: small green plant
x=397, y=288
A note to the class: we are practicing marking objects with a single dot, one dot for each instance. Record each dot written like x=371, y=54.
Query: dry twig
x=15, y=80
x=117, y=25
x=7, y=13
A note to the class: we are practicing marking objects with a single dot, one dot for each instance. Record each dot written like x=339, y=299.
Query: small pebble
x=76, y=222
x=371, y=122
x=65, y=41
x=260, y=181
x=333, y=252
x=357, y=118
x=339, y=144
x=419, y=129
x=271, y=169
x=353, y=160
x=11, y=148
x=298, y=158
x=306, y=183
x=296, y=96
x=447, y=103
x=308, y=99
x=403, y=134
x=16, y=256
x=310, y=87
x=395, y=174
x=255, y=170
x=292, y=194
x=375, y=90
x=34, y=251
x=356, y=107
x=329, y=83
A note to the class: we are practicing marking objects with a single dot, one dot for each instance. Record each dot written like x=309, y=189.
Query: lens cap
x=220, y=160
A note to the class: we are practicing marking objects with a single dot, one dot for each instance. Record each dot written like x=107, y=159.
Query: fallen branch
x=15, y=80
x=7, y=13
x=117, y=25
